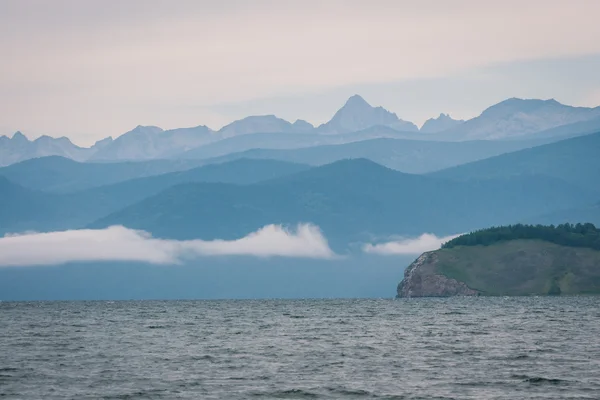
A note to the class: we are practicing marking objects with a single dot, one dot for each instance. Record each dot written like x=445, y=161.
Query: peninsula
x=516, y=260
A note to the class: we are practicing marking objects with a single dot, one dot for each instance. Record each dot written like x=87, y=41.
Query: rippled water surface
x=480, y=348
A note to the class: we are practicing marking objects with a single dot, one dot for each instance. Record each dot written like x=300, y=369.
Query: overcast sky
x=94, y=68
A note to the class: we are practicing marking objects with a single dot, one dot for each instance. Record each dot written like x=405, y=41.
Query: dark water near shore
x=480, y=348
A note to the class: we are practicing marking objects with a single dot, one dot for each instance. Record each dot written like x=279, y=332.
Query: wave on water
x=310, y=349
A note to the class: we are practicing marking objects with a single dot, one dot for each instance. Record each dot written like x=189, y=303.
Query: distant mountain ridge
x=411, y=156
x=357, y=114
x=61, y=175
x=510, y=119
x=442, y=123
x=585, y=214
x=573, y=160
x=19, y=148
x=518, y=117
x=263, y=124
x=151, y=142
x=350, y=200
x=25, y=209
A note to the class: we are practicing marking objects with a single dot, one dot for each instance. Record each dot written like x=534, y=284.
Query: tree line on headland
x=573, y=235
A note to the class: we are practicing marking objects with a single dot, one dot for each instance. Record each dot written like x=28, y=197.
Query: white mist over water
x=421, y=244
x=118, y=243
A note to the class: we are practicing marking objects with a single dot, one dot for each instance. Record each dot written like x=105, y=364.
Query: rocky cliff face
x=421, y=280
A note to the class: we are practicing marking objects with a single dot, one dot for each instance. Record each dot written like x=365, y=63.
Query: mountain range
x=406, y=155
x=151, y=142
x=357, y=115
x=356, y=120
x=572, y=160
x=60, y=174
x=518, y=117
x=280, y=187
x=31, y=209
x=19, y=148
x=440, y=124
x=352, y=200
x=361, y=190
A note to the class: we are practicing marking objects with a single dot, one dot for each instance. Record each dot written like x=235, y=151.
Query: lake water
x=460, y=348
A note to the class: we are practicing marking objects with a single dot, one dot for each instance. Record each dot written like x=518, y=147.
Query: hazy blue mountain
x=350, y=200
x=102, y=143
x=23, y=209
x=565, y=131
x=441, y=123
x=300, y=137
x=151, y=142
x=255, y=140
x=573, y=160
x=412, y=156
x=357, y=115
x=241, y=143
x=263, y=124
x=138, y=142
x=583, y=214
x=302, y=126
x=59, y=174
x=19, y=148
x=26, y=209
x=381, y=124
x=16, y=200
x=174, y=141
x=356, y=120
x=241, y=172
x=517, y=117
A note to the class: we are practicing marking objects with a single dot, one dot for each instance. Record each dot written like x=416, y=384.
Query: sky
x=91, y=69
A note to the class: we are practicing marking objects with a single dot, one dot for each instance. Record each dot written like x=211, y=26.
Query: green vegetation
x=522, y=267
x=572, y=235
x=519, y=260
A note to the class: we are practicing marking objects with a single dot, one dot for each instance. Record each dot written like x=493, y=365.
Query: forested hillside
x=573, y=235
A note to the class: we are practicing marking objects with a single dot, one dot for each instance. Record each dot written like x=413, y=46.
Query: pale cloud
x=101, y=67
x=118, y=243
x=421, y=244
